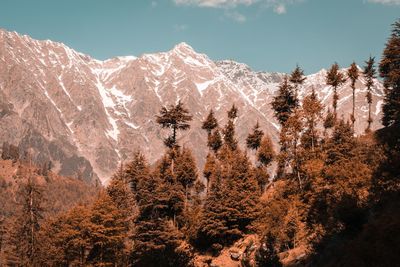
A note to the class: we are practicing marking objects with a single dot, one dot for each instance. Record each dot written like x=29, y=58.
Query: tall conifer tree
x=210, y=123
x=369, y=74
x=312, y=112
x=335, y=79
x=229, y=130
x=25, y=234
x=285, y=102
x=389, y=71
x=297, y=78
x=175, y=118
x=253, y=140
x=352, y=74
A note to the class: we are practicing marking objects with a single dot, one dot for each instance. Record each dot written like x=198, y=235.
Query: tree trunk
x=335, y=99
x=174, y=135
x=353, y=118
x=369, y=116
x=32, y=224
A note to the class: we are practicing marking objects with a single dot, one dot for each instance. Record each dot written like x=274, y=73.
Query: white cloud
x=236, y=16
x=278, y=6
x=385, y=2
x=154, y=4
x=216, y=3
x=280, y=9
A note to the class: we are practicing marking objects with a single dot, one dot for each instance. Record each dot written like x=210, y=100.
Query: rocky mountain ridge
x=87, y=115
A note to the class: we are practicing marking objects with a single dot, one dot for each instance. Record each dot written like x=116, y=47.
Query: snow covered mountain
x=87, y=115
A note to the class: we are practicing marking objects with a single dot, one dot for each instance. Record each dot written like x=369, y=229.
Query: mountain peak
x=183, y=48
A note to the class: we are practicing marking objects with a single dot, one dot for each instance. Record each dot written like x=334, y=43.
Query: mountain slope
x=87, y=115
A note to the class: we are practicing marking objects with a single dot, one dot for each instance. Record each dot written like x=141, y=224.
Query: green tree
x=25, y=234
x=253, y=140
x=107, y=230
x=213, y=230
x=231, y=204
x=290, y=140
x=137, y=170
x=389, y=71
x=210, y=123
x=312, y=112
x=285, y=102
x=175, y=118
x=66, y=238
x=297, y=78
x=229, y=130
x=168, y=196
x=158, y=243
x=265, y=153
x=215, y=140
x=209, y=168
x=335, y=78
x=352, y=74
x=186, y=171
x=265, y=156
x=369, y=74
x=232, y=113
x=329, y=120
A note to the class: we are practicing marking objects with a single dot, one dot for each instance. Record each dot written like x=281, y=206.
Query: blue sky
x=271, y=35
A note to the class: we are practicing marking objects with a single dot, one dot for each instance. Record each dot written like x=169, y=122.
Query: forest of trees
x=334, y=196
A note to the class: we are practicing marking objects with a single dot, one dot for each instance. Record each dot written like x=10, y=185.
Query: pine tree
x=123, y=198
x=262, y=177
x=285, y=102
x=76, y=234
x=369, y=74
x=352, y=74
x=389, y=71
x=66, y=238
x=107, y=230
x=51, y=251
x=253, y=140
x=329, y=121
x=341, y=143
x=175, y=118
x=265, y=153
x=168, y=196
x=386, y=184
x=119, y=190
x=213, y=231
x=137, y=170
x=210, y=123
x=215, y=140
x=209, y=168
x=290, y=140
x=25, y=234
x=335, y=79
x=243, y=191
x=231, y=203
x=312, y=112
x=157, y=243
x=297, y=78
x=186, y=171
x=157, y=240
x=232, y=113
x=229, y=130
x=284, y=105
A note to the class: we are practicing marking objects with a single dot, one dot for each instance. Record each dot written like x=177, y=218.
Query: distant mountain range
x=87, y=115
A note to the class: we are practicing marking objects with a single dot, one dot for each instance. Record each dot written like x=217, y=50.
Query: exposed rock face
x=86, y=115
